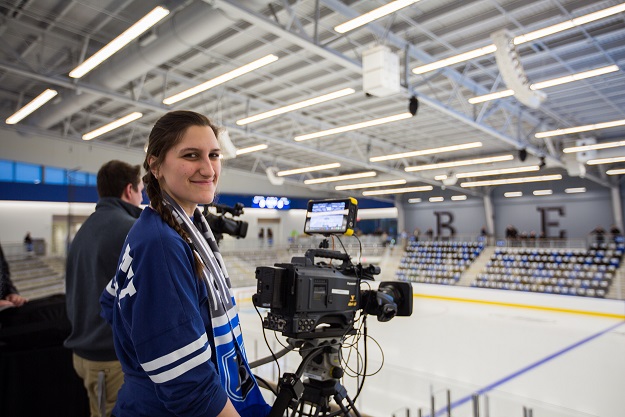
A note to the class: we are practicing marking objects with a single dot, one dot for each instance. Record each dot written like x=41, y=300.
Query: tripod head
x=321, y=366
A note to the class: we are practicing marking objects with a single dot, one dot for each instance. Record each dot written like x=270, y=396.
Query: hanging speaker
x=522, y=155
x=512, y=72
x=228, y=150
x=272, y=175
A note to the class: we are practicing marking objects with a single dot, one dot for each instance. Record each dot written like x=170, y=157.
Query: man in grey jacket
x=91, y=263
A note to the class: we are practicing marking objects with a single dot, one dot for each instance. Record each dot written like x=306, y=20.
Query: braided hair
x=166, y=133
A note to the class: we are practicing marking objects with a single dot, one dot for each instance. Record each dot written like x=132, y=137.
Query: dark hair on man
x=166, y=133
x=114, y=176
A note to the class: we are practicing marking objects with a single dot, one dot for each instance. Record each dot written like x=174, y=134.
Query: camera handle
x=326, y=253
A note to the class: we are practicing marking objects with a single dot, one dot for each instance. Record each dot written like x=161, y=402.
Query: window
x=27, y=173
x=55, y=176
x=6, y=170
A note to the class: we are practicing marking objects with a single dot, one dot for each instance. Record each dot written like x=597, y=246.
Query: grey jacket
x=91, y=263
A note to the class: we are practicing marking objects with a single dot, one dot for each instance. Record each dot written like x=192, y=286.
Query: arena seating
x=582, y=272
x=437, y=262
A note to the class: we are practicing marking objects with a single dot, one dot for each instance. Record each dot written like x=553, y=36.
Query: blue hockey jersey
x=180, y=357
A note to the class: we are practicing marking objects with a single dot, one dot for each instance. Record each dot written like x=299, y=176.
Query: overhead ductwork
x=189, y=27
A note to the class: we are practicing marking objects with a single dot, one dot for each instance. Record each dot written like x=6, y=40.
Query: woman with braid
x=177, y=333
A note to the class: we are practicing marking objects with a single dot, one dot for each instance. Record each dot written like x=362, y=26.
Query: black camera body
x=221, y=224
x=308, y=300
x=302, y=296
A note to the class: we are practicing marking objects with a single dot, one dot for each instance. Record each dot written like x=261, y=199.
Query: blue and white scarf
x=234, y=371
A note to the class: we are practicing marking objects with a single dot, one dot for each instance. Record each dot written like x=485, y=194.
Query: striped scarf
x=235, y=374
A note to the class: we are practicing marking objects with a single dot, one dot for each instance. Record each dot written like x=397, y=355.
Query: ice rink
x=554, y=355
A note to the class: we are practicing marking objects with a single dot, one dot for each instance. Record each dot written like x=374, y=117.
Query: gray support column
x=490, y=215
x=401, y=215
x=617, y=208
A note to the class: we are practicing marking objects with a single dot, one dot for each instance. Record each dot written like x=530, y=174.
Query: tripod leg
x=339, y=396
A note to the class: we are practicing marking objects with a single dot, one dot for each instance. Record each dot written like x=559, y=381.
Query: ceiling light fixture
x=501, y=171
x=458, y=197
x=459, y=163
x=296, y=106
x=374, y=14
x=133, y=32
x=520, y=180
x=491, y=96
x=361, y=125
x=341, y=177
x=440, y=177
x=112, y=126
x=575, y=190
x=615, y=171
x=451, y=148
x=548, y=83
x=369, y=185
x=34, y=104
x=414, y=200
x=251, y=149
x=542, y=192
x=601, y=161
x=594, y=147
x=436, y=199
x=399, y=190
x=308, y=169
x=512, y=194
x=266, y=60
x=518, y=40
x=578, y=129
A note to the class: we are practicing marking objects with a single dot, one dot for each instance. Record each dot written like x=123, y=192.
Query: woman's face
x=191, y=168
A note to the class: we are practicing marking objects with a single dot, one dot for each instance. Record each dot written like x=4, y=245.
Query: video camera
x=221, y=224
x=308, y=300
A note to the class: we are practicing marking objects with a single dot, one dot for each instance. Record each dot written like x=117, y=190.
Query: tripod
x=312, y=397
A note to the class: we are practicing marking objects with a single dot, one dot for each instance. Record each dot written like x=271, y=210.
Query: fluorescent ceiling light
x=361, y=125
x=374, y=14
x=491, y=96
x=414, y=200
x=436, y=199
x=574, y=77
x=579, y=129
x=35, y=103
x=518, y=40
x=575, y=190
x=112, y=126
x=341, y=177
x=221, y=79
x=308, y=169
x=548, y=83
x=440, y=177
x=512, y=194
x=296, y=106
x=601, y=161
x=476, y=53
x=594, y=146
x=451, y=148
x=542, y=192
x=252, y=149
x=458, y=197
x=501, y=171
x=399, y=190
x=119, y=42
x=369, y=185
x=520, y=180
x=459, y=163
x=578, y=21
x=615, y=171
